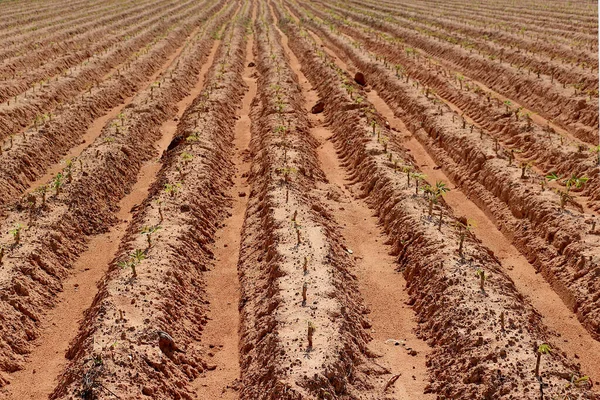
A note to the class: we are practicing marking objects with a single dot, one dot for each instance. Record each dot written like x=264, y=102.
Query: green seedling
x=43, y=190
x=524, y=167
x=481, y=275
x=464, y=227
x=575, y=181
x=418, y=178
x=57, y=183
x=434, y=193
x=186, y=157
x=542, y=349
x=16, y=233
x=172, y=188
x=149, y=231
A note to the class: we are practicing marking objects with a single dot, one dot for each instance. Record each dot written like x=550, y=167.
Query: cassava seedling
x=172, y=189
x=575, y=181
x=481, y=275
x=418, y=178
x=464, y=226
x=542, y=349
x=305, y=266
x=310, y=333
x=304, y=289
x=16, y=233
x=57, y=183
x=149, y=231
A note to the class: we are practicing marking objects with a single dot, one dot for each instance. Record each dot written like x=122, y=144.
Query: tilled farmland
x=278, y=199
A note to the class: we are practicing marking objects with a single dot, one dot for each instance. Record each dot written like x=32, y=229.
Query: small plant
x=575, y=181
x=134, y=260
x=305, y=266
x=524, y=167
x=186, y=157
x=42, y=190
x=464, y=227
x=172, y=188
x=434, y=193
x=16, y=233
x=149, y=231
x=481, y=274
x=542, y=349
x=418, y=178
x=507, y=104
x=57, y=183
x=304, y=289
x=310, y=333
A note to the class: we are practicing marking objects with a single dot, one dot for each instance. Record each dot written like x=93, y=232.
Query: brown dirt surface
x=279, y=199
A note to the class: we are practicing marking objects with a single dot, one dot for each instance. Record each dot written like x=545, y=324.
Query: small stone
x=318, y=108
x=242, y=194
x=211, y=367
x=359, y=78
x=147, y=391
x=251, y=64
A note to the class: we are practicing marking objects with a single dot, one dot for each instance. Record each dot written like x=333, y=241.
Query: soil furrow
x=441, y=282
x=35, y=267
x=528, y=217
x=26, y=162
x=571, y=112
x=61, y=325
x=44, y=68
x=393, y=323
x=33, y=110
x=221, y=334
x=167, y=292
x=295, y=346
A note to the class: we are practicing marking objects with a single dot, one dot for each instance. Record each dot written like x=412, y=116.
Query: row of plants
x=29, y=156
x=73, y=83
x=151, y=307
x=468, y=309
x=81, y=201
x=26, y=17
x=37, y=40
x=33, y=70
x=304, y=338
x=559, y=243
x=551, y=48
x=509, y=129
x=574, y=114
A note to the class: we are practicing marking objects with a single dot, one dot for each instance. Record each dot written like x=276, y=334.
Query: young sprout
x=575, y=181
x=172, y=188
x=542, y=349
x=481, y=274
x=42, y=190
x=305, y=266
x=16, y=233
x=373, y=124
x=310, y=334
x=148, y=231
x=434, y=193
x=464, y=226
x=524, y=167
x=58, y=182
x=304, y=289
x=418, y=178
x=507, y=104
